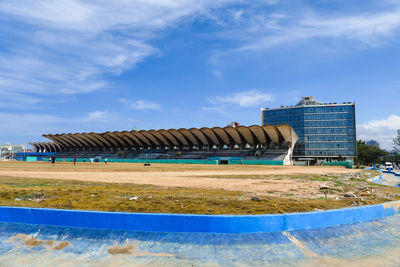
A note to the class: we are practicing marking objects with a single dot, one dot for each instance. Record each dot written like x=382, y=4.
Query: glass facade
x=324, y=130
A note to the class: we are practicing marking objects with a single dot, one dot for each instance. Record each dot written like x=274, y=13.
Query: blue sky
x=73, y=66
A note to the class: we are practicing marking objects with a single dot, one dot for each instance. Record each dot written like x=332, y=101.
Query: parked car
x=388, y=165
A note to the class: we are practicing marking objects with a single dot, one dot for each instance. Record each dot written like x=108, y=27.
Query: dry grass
x=71, y=194
x=30, y=192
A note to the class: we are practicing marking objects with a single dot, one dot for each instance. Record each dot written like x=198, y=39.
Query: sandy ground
x=389, y=179
x=172, y=175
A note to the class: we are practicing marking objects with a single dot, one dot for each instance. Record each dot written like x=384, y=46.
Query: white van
x=388, y=165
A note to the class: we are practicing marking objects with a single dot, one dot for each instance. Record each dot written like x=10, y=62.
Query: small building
x=9, y=151
x=373, y=143
x=327, y=131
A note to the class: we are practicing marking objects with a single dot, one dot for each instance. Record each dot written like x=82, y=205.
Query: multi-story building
x=9, y=151
x=373, y=143
x=327, y=131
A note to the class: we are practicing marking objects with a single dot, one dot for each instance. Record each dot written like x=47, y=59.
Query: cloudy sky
x=74, y=65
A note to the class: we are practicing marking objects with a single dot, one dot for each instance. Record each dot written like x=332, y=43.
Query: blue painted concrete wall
x=197, y=223
x=392, y=172
x=374, y=243
x=216, y=160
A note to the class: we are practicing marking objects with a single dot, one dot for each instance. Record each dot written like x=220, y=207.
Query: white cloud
x=42, y=123
x=255, y=28
x=249, y=98
x=140, y=104
x=96, y=115
x=221, y=110
x=263, y=31
x=217, y=74
x=66, y=47
x=17, y=125
x=383, y=130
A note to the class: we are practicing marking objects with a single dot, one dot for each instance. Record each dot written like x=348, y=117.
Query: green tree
x=368, y=155
x=396, y=141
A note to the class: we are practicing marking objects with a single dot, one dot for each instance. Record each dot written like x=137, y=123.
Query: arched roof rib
x=246, y=134
x=127, y=140
x=42, y=147
x=73, y=141
x=289, y=135
x=99, y=143
x=178, y=136
x=133, y=138
x=151, y=138
x=35, y=146
x=38, y=147
x=45, y=147
x=200, y=136
x=49, y=136
x=162, y=140
x=189, y=136
x=203, y=138
x=171, y=139
x=142, y=138
x=213, y=140
x=121, y=143
x=233, y=133
x=59, y=140
x=76, y=138
x=274, y=134
x=53, y=147
x=124, y=143
x=260, y=135
x=57, y=147
x=222, y=135
x=114, y=140
x=111, y=140
x=87, y=140
x=105, y=142
x=48, y=147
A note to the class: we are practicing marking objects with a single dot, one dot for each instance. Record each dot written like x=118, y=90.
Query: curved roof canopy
x=46, y=147
x=200, y=138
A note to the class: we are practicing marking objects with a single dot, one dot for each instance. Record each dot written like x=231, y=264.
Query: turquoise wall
x=181, y=161
x=31, y=158
x=347, y=164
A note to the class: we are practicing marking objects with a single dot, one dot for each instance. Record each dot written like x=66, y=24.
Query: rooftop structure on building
x=308, y=101
x=373, y=143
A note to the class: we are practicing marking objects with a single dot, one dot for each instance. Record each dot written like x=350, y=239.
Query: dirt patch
x=125, y=249
x=191, y=179
x=138, y=167
x=129, y=249
x=31, y=241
